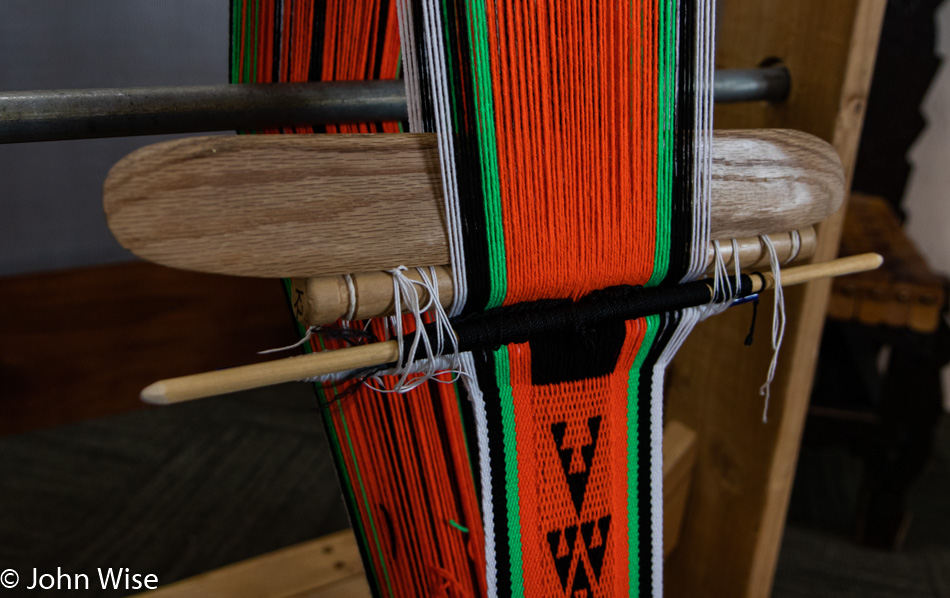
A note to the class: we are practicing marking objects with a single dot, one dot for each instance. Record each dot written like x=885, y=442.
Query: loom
x=323, y=279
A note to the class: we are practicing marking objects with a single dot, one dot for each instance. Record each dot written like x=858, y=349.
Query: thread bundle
x=574, y=144
x=578, y=137
x=402, y=458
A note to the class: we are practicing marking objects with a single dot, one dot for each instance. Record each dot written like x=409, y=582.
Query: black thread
x=524, y=321
x=755, y=313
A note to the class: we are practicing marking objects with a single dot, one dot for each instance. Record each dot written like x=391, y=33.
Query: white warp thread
x=702, y=137
x=439, y=93
x=484, y=469
x=304, y=339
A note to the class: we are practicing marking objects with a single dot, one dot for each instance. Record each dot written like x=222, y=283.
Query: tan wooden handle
x=289, y=369
x=196, y=386
x=326, y=299
x=318, y=205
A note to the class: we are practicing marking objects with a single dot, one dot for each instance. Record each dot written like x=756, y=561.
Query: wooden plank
x=316, y=205
x=327, y=566
x=679, y=457
x=354, y=586
x=736, y=511
x=80, y=344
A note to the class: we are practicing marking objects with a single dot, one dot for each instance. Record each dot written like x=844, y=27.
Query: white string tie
x=351, y=302
x=778, y=323
x=725, y=289
x=796, y=238
x=411, y=372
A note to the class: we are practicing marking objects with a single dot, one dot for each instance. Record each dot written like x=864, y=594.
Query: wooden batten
x=318, y=205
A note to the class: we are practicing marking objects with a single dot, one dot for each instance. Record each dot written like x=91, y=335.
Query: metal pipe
x=88, y=113
x=749, y=85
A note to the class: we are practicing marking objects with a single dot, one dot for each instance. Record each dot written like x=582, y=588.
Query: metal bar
x=749, y=85
x=88, y=113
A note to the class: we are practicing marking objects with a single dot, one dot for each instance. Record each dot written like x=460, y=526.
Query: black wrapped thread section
x=520, y=323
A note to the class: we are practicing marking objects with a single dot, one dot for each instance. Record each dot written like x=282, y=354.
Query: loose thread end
x=750, y=338
x=458, y=526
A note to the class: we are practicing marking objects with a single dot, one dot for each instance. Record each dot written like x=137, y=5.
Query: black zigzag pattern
x=576, y=482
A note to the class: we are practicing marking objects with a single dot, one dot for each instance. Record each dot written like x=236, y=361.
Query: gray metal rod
x=749, y=85
x=88, y=113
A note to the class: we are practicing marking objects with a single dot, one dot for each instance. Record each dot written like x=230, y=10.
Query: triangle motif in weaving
x=577, y=481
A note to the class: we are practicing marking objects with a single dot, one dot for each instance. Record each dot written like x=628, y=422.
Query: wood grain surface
x=79, y=344
x=325, y=567
x=316, y=205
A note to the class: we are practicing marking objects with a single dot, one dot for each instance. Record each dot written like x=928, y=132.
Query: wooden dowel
x=838, y=267
x=289, y=369
x=753, y=253
x=325, y=299
x=196, y=386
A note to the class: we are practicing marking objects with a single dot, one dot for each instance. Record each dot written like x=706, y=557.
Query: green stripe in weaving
x=348, y=487
x=369, y=517
x=235, y=39
x=485, y=116
x=633, y=445
x=666, y=92
x=503, y=376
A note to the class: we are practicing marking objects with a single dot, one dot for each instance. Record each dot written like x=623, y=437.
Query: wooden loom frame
x=735, y=512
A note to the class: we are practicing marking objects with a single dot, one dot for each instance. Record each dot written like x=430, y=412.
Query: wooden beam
x=325, y=567
x=736, y=513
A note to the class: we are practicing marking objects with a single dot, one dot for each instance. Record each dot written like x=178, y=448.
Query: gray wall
x=51, y=193
x=927, y=199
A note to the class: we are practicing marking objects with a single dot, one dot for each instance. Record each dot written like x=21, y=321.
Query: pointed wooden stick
x=196, y=386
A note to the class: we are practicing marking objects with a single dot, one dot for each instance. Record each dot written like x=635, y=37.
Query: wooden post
x=744, y=470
